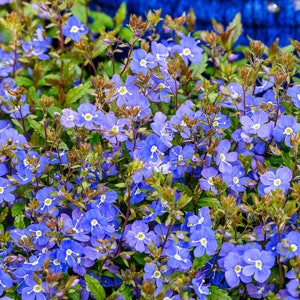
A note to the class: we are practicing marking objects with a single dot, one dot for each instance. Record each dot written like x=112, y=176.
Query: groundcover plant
x=147, y=160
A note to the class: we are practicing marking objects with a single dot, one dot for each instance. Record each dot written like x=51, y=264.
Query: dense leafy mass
x=145, y=161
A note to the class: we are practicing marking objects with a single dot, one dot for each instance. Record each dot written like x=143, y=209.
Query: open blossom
x=279, y=180
x=224, y=159
x=88, y=116
x=142, y=61
x=74, y=29
x=258, y=263
x=285, y=127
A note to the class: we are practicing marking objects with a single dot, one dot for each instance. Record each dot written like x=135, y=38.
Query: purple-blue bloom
x=5, y=191
x=224, y=158
x=294, y=93
x=204, y=241
x=88, y=116
x=142, y=61
x=138, y=236
x=236, y=180
x=279, y=180
x=285, y=127
x=74, y=29
x=206, y=182
x=188, y=50
x=289, y=247
x=258, y=263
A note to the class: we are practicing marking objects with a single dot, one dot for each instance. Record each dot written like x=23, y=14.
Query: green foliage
x=95, y=287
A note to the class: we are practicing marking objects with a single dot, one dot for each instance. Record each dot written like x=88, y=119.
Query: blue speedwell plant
x=145, y=161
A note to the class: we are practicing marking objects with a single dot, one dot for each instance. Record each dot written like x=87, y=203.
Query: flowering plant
x=145, y=162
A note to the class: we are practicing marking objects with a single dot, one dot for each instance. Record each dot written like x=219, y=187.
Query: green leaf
x=200, y=67
x=99, y=47
x=100, y=21
x=74, y=296
x=236, y=28
x=208, y=201
x=17, y=208
x=200, y=262
x=184, y=200
x=23, y=81
x=79, y=10
x=76, y=93
x=19, y=222
x=120, y=15
x=124, y=291
x=38, y=127
x=95, y=287
x=3, y=214
x=120, y=185
x=217, y=294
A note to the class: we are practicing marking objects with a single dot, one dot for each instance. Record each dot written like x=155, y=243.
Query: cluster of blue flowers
x=158, y=187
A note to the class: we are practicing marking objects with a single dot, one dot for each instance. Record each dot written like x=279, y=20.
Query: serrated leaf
x=99, y=47
x=17, y=208
x=217, y=294
x=95, y=287
x=76, y=93
x=23, y=81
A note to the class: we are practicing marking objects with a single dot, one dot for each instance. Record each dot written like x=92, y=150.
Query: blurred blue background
x=262, y=19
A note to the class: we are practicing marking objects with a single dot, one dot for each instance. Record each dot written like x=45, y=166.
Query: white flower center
x=102, y=198
x=256, y=126
x=236, y=180
x=38, y=233
x=277, y=182
x=70, y=118
x=203, y=242
x=122, y=90
x=237, y=269
x=74, y=29
x=115, y=129
x=210, y=181
x=143, y=62
x=222, y=157
x=48, y=201
x=293, y=247
x=258, y=264
x=1, y=190
x=288, y=131
x=157, y=274
x=88, y=117
x=69, y=252
x=37, y=288
x=215, y=124
x=94, y=222
x=140, y=236
x=56, y=262
x=180, y=157
x=186, y=52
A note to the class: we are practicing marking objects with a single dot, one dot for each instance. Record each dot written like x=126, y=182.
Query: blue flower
x=259, y=291
x=69, y=251
x=294, y=93
x=236, y=180
x=5, y=191
x=74, y=29
x=285, y=127
x=162, y=128
x=201, y=289
x=258, y=263
x=289, y=247
x=68, y=118
x=152, y=149
x=202, y=220
x=204, y=241
x=279, y=180
x=137, y=235
x=98, y=223
x=88, y=116
x=179, y=257
x=206, y=182
x=47, y=200
x=224, y=158
x=234, y=264
x=188, y=50
x=257, y=124
x=142, y=61
x=5, y=281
